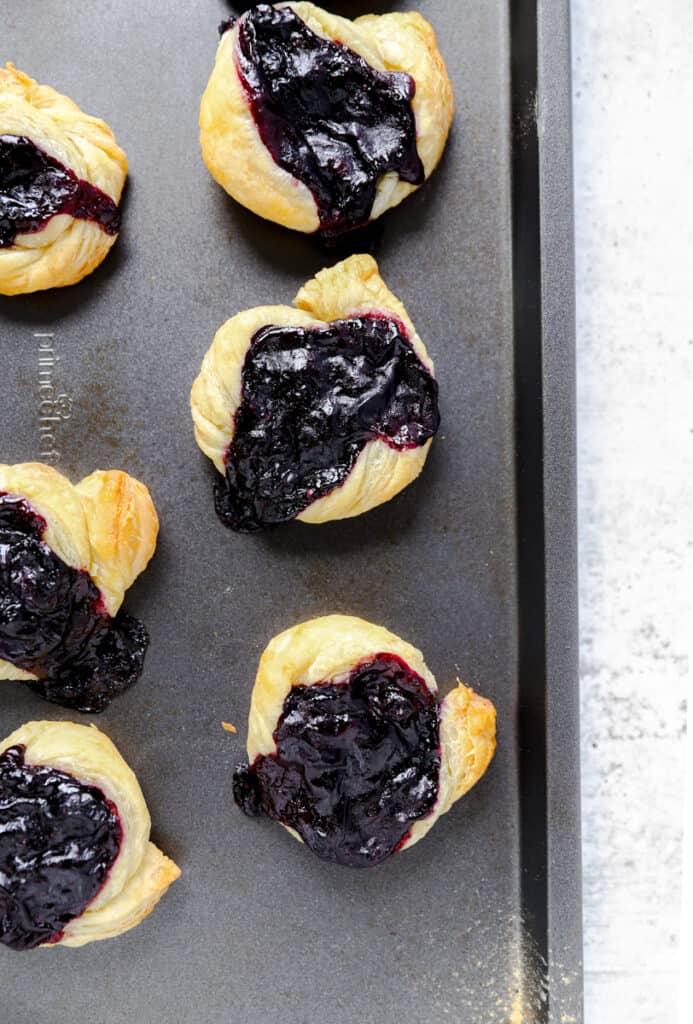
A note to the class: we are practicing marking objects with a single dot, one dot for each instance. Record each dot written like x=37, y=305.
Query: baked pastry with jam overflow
x=61, y=178
x=76, y=863
x=320, y=123
x=67, y=556
x=320, y=412
x=348, y=745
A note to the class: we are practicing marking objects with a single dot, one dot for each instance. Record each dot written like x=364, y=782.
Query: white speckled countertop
x=633, y=97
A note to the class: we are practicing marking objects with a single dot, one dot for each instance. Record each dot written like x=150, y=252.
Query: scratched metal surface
x=257, y=929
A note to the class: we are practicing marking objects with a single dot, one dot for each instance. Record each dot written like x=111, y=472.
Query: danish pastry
x=320, y=412
x=61, y=177
x=67, y=556
x=76, y=863
x=320, y=123
x=348, y=745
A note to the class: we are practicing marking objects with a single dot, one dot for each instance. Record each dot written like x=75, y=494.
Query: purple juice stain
x=311, y=400
x=356, y=763
x=35, y=187
x=325, y=115
x=53, y=622
x=59, y=839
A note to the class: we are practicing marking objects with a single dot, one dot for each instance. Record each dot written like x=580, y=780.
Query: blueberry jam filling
x=325, y=115
x=311, y=400
x=356, y=763
x=58, y=841
x=35, y=187
x=53, y=622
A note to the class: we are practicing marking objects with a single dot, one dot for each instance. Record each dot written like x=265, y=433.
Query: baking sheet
x=474, y=563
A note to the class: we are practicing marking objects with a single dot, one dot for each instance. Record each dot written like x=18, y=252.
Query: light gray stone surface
x=634, y=231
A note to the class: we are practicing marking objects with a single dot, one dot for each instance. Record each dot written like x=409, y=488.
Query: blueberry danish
x=319, y=412
x=67, y=556
x=349, y=746
x=76, y=862
x=320, y=123
x=61, y=177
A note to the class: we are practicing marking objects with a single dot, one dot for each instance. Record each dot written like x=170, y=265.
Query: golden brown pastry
x=319, y=412
x=61, y=177
x=69, y=553
x=76, y=861
x=321, y=123
x=348, y=745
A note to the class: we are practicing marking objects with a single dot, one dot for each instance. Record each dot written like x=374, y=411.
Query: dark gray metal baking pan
x=475, y=563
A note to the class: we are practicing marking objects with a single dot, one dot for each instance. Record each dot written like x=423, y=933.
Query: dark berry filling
x=58, y=841
x=356, y=764
x=53, y=622
x=35, y=187
x=311, y=400
x=325, y=115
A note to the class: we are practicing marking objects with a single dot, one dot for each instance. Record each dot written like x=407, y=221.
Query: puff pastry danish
x=67, y=556
x=320, y=123
x=348, y=745
x=76, y=863
x=320, y=412
x=61, y=177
